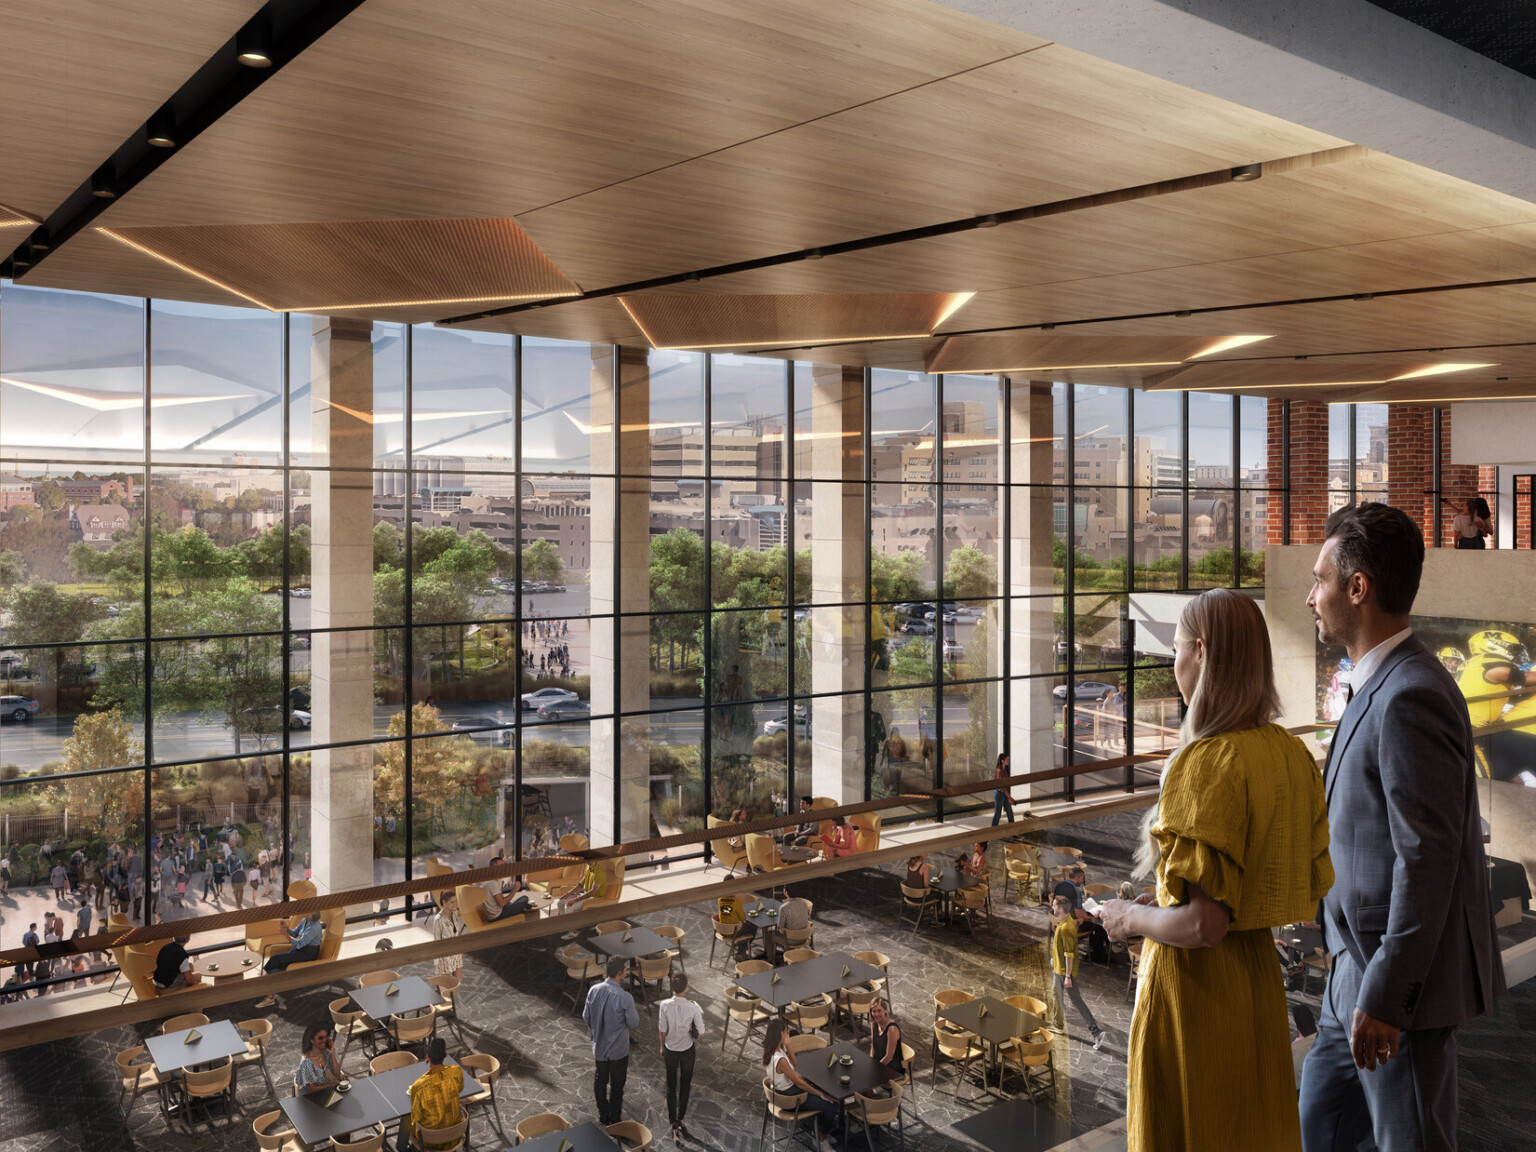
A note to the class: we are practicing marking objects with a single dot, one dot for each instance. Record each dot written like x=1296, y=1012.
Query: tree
x=897, y=577
x=13, y=569
x=191, y=559
x=105, y=740
x=971, y=574
x=45, y=542
x=40, y=614
x=439, y=768
x=541, y=562
x=49, y=496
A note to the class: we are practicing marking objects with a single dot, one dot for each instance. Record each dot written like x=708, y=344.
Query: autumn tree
x=440, y=767
x=114, y=802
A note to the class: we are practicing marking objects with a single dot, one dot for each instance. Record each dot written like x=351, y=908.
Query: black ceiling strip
x=1048, y=325
x=906, y=236
x=282, y=30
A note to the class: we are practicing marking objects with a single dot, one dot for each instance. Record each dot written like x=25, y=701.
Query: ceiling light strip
x=931, y=231
x=222, y=82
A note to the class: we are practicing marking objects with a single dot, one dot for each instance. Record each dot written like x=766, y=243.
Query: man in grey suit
x=1409, y=921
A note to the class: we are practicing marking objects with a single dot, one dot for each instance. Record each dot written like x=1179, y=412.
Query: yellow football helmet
x=1494, y=642
x=1447, y=654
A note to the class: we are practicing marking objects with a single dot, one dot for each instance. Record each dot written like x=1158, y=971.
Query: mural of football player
x=1498, y=661
x=1453, y=659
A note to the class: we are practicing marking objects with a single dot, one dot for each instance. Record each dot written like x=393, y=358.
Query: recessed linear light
x=960, y=299
x=230, y=288
x=98, y=401
x=1416, y=374
x=1229, y=343
x=1246, y=172
x=1440, y=369
x=1069, y=367
x=1435, y=399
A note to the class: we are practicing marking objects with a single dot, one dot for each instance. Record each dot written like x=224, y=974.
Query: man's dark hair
x=616, y=966
x=437, y=1050
x=679, y=983
x=806, y=800
x=1385, y=546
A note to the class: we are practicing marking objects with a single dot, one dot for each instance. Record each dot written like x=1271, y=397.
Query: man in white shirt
x=681, y=1023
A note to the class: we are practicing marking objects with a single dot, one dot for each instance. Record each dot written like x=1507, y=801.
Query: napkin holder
x=392, y=990
x=193, y=1037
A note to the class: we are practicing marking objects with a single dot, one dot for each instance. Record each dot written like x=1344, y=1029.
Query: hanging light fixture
x=161, y=130
x=253, y=45
x=104, y=182
x=1246, y=172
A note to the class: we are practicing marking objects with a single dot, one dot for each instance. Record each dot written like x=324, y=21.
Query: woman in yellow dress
x=1240, y=843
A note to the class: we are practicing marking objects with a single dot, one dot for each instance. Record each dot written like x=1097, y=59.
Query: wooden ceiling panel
x=901, y=355
x=713, y=321
x=369, y=264
x=78, y=79
x=600, y=321
x=94, y=262
x=1014, y=352
x=1044, y=126
x=494, y=108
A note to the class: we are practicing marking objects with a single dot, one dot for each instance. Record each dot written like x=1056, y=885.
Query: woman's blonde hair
x=1235, y=690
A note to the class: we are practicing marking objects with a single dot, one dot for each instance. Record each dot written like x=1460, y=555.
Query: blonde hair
x=1235, y=689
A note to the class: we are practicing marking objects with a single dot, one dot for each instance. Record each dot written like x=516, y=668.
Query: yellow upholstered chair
x=139, y=967
x=613, y=890
x=471, y=897
x=825, y=827
x=762, y=853
x=722, y=850
x=866, y=830
x=264, y=937
x=335, y=923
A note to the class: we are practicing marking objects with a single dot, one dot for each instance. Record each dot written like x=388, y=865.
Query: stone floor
x=63, y=1094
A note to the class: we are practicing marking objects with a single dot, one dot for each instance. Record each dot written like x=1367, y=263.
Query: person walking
x=1000, y=799
x=1409, y=923
x=1064, y=968
x=680, y=1022
x=1473, y=524
x=1239, y=839
x=60, y=881
x=610, y=1014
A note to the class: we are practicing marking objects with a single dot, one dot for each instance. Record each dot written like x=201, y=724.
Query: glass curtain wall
x=530, y=590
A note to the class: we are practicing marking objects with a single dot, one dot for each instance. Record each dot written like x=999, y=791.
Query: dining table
x=226, y=966
x=588, y=1137
x=825, y=1068
x=378, y=1099
x=410, y=994
x=996, y=1022
x=825, y=974
x=175, y=1051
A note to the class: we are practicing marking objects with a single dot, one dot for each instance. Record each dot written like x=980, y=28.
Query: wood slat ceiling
x=712, y=321
x=77, y=78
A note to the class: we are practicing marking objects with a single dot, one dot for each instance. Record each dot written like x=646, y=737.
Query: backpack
x=731, y=911
x=1098, y=948
x=237, y=876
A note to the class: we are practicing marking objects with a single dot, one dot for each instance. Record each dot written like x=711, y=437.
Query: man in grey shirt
x=610, y=1014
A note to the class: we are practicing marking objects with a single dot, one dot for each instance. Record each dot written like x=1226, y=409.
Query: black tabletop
x=1001, y=1023
x=864, y=1073
x=172, y=1053
x=411, y=994
x=797, y=854
x=588, y=1137
x=395, y=1085
x=1300, y=936
x=1507, y=880
x=1050, y=858
x=952, y=879
x=808, y=978
x=757, y=910
x=641, y=942
x=319, y=1116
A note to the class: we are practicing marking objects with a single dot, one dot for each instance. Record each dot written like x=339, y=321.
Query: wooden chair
x=1035, y=1007
x=722, y=851
x=407, y=1030
x=633, y=1134
x=783, y=1108
x=390, y=1060
x=752, y=967
x=763, y=853
x=605, y=927
x=1134, y=952
x=800, y=955
x=748, y=1011
x=1033, y=1058
x=373, y=1141
x=350, y=1025
x=449, y=1139
x=383, y=976
x=908, y=1080
x=1318, y=962
x=448, y=984
x=856, y=1005
x=271, y=1139
x=799, y=937
x=812, y=1015
x=675, y=934
x=539, y=1125
x=581, y=969
x=957, y=1047
x=182, y=1022
x=877, y=1112
x=204, y=1086
x=655, y=970
x=257, y=1034
x=948, y=998
x=807, y=1042
x=1019, y=871
x=878, y=960
x=976, y=904
x=914, y=902
x=137, y=1077
x=486, y=1070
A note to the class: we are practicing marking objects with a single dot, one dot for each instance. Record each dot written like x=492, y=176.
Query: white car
x=780, y=723
x=299, y=719
x=533, y=701
x=954, y=650
x=18, y=708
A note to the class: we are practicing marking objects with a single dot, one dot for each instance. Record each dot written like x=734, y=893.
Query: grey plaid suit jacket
x=1411, y=903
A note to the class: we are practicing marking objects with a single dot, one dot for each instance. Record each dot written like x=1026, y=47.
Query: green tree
x=439, y=768
x=49, y=496
x=388, y=546
x=41, y=614
x=191, y=560
x=541, y=561
x=13, y=569
x=897, y=577
x=970, y=574
x=44, y=540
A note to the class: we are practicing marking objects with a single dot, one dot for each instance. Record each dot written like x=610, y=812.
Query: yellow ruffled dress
x=1243, y=815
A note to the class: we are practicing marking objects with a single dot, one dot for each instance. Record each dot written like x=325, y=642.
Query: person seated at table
x=434, y=1097
x=795, y=915
x=593, y=882
x=318, y=1070
x=919, y=872
x=780, y=1064
x=804, y=833
x=173, y=967
x=975, y=863
x=733, y=910
x=503, y=903
x=306, y=938
x=885, y=1039
x=842, y=840
x=1126, y=891
x=1088, y=924
x=738, y=817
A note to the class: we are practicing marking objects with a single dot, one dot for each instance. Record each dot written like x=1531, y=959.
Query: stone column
x=1032, y=711
x=341, y=690
x=839, y=541
x=621, y=551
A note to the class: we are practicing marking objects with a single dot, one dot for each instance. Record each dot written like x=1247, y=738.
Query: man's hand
x=1372, y=1041
x=1066, y=981
x=1116, y=916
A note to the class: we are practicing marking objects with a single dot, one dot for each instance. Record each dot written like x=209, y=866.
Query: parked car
x=572, y=709
x=777, y=724
x=533, y=701
x=954, y=650
x=300, y=593
x=18, y=708
x=918, y=628
x=300, y=720
x=1084, y=690
x=495, y=729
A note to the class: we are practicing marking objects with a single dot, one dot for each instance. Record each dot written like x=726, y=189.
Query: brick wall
x=1309, y=471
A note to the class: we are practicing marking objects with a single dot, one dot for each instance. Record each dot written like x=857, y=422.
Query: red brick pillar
x=1308, y=441
x=1410, y=463
x=1458, y=482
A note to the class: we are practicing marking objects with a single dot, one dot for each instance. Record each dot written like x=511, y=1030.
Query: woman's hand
x=1116, y=917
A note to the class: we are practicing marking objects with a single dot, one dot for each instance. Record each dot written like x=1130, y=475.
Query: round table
x=225, y=966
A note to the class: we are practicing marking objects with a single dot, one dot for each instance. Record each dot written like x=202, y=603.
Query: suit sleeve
x=1423, y=764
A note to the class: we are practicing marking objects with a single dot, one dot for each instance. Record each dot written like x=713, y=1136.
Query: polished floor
x=63, y=1095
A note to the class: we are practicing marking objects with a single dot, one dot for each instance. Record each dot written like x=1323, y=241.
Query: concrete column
x=839, y=541
x=621, y=551
x=1031, y=573
x=341, y=779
